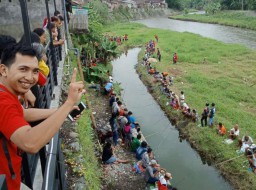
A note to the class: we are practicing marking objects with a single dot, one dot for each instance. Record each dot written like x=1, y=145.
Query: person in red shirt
x=18, y=73
x=156, y=37
x=175, y=58
x=163, y=181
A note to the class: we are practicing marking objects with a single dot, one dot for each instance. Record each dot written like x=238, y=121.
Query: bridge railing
x=51, y=158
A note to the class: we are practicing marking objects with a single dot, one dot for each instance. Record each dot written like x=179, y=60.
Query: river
x=189, y=173
x=222, y=33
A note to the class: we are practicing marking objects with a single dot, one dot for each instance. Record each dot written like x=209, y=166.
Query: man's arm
x=150, y=171
x=29, y=98
x=33, y=139
x=33, y=114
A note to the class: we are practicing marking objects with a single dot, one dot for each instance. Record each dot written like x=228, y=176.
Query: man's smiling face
x=20, y=76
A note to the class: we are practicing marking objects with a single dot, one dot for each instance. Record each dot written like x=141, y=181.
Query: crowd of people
x=123, y=130
x=20, y=67
x=178, y=102
x=118, y=39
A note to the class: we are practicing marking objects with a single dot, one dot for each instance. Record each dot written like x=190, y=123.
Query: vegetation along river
x=179, y=158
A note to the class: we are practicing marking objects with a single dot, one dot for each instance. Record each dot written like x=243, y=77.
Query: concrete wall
x=11, y=18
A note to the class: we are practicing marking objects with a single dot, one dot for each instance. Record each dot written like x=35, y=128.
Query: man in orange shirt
x=221, y=129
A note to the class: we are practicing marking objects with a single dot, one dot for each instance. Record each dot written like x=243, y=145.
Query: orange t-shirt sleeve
x=223, y=130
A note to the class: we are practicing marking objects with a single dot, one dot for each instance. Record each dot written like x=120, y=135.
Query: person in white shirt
x=164, y=180
x=182, y=98
x=234, y=132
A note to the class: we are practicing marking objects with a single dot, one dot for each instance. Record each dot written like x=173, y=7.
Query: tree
x=174, y=4
x=108, y=50
x=213, y=8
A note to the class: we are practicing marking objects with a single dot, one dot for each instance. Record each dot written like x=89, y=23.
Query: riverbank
x=114, y=176
x=215, y=74
x=241, y=19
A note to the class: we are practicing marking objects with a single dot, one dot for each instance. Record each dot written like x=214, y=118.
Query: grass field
x=207, y=71
x=241, y=19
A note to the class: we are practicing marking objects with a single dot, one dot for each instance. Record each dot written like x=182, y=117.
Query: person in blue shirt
x=141, y=149
x=112, y=99
x=211, y=115
x=108, y=88
x=131, y=119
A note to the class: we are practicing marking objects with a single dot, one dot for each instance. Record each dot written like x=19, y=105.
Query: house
x=140, y=3
x=156, y=3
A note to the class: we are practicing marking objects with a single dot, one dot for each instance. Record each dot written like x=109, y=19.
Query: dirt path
x=115, y=176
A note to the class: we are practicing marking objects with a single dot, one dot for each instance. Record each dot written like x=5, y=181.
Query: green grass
x=242, y=19
x=90, y=168
x=207, y=71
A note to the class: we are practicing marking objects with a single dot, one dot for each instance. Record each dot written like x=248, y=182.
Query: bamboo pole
x=86, y=97
x=229, y=160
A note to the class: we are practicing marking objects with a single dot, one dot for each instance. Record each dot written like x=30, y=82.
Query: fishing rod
x=157, y=132
x=163, y=139
x=228, y=160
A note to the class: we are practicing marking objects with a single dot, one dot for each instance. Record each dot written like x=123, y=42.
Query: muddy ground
x=115, y=176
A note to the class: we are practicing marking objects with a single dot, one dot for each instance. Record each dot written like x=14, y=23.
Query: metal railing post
x=49, y=20
x=25, y=19
x=3, y=184
x=54, y=2
x=52, y=49
x=65, y=20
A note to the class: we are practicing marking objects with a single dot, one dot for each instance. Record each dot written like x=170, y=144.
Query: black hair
x=139, y=136
x=54, y=19
x=119, y=103
x=34, y=38
x=6, y=41
x=39, y=31
x=9, y=53
x=149, y=150
x=61, y=18
x=108, y=144
x=207, y=104
x=182, y=92
x=129, y=113
x=51, y=25
x=144, y=144
x=220, y=123
x=213, y=104
x=56, y=13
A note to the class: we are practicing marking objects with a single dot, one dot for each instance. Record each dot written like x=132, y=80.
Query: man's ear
x=3, y=70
